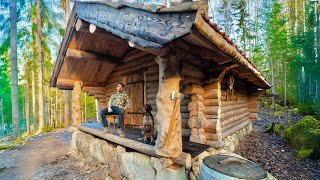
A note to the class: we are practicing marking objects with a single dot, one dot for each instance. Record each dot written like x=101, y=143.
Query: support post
x=76, y=103
x=169, y=80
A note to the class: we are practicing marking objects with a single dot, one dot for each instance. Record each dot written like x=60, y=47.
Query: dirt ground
x=49, y=156
x=46, y=156
x=271, y=152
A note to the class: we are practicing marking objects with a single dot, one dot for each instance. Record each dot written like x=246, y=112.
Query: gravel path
x=271, y=152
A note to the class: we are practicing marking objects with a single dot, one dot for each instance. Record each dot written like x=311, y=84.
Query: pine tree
x=14, y=69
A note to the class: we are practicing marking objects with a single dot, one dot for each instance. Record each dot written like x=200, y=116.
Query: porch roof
x=104, y=37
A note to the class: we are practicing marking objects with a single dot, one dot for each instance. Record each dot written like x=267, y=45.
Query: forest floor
x=271, y=152
x=50, y=156
x=46, y=156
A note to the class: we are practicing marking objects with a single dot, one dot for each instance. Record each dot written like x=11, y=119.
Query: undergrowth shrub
x=304, y=136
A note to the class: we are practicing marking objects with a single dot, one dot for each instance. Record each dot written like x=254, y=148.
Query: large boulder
x=136, y=166
x=81, y=141
x=102, y=151
x=174, y=172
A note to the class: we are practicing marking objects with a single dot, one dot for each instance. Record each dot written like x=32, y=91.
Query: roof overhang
x=151, y=30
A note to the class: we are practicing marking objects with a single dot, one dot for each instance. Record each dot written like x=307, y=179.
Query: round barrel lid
x=235, y=167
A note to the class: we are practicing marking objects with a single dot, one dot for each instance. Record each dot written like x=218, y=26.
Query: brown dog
x=148, y=123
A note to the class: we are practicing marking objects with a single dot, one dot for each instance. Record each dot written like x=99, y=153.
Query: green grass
x=6, y=146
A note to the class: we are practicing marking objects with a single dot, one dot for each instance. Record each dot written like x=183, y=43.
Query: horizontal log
x=250, y=98
x=193, y=89
x=197, y=122
x=211, y=124
x=230, y=114
x=253, y=116
x=211, y=110
x=92, y=88
x=229, y=102
x=212, y=102
x=153, y=70
x=116, y=79
x=234, y=129
x=153, y=77
x=103, y=101
x=152, y=90
x=134, y=56
x=191, y=80
x=99, y=96
x=197, y=97
x=253, y=110
x=233, y=124
x=152, y=84
x=111, y=86
x=192, y=71
x=82, y=55
x=212, y=94
x=225, y=109
x=196, y=113
x=211, y=116
x=211, y=136
x=215, y=85
x=216, y=144
x=196, y=131
x=132, y=69
x=183, y=159
x=136, y=62
x=235, y=119
x=196, y=106
x=201, y=139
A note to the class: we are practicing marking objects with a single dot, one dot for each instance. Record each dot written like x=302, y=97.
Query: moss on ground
x=305, y=137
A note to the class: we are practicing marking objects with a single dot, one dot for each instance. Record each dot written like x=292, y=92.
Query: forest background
x=282, y=37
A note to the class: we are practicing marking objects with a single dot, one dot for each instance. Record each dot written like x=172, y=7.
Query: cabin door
x=135, y=88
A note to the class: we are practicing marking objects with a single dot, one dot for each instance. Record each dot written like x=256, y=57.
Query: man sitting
x=118, y=102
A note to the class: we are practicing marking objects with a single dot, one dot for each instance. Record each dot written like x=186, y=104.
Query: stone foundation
x=120, y=163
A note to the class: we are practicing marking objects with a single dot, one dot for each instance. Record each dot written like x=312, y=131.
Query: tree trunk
x=67, y=10
x=27, y=109
x=40, y=67
x=169, y=80
x=272, y=84
x=14, y=69
x=2, y=117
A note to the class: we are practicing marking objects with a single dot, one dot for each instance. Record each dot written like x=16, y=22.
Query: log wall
x=234, y=111
x=216, y=112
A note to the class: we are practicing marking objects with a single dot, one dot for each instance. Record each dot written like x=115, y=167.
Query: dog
x=148, y=123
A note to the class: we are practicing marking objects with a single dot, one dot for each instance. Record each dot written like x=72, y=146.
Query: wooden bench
x=113, y=117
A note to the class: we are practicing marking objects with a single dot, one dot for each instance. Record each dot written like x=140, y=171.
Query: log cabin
x=157, y=50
